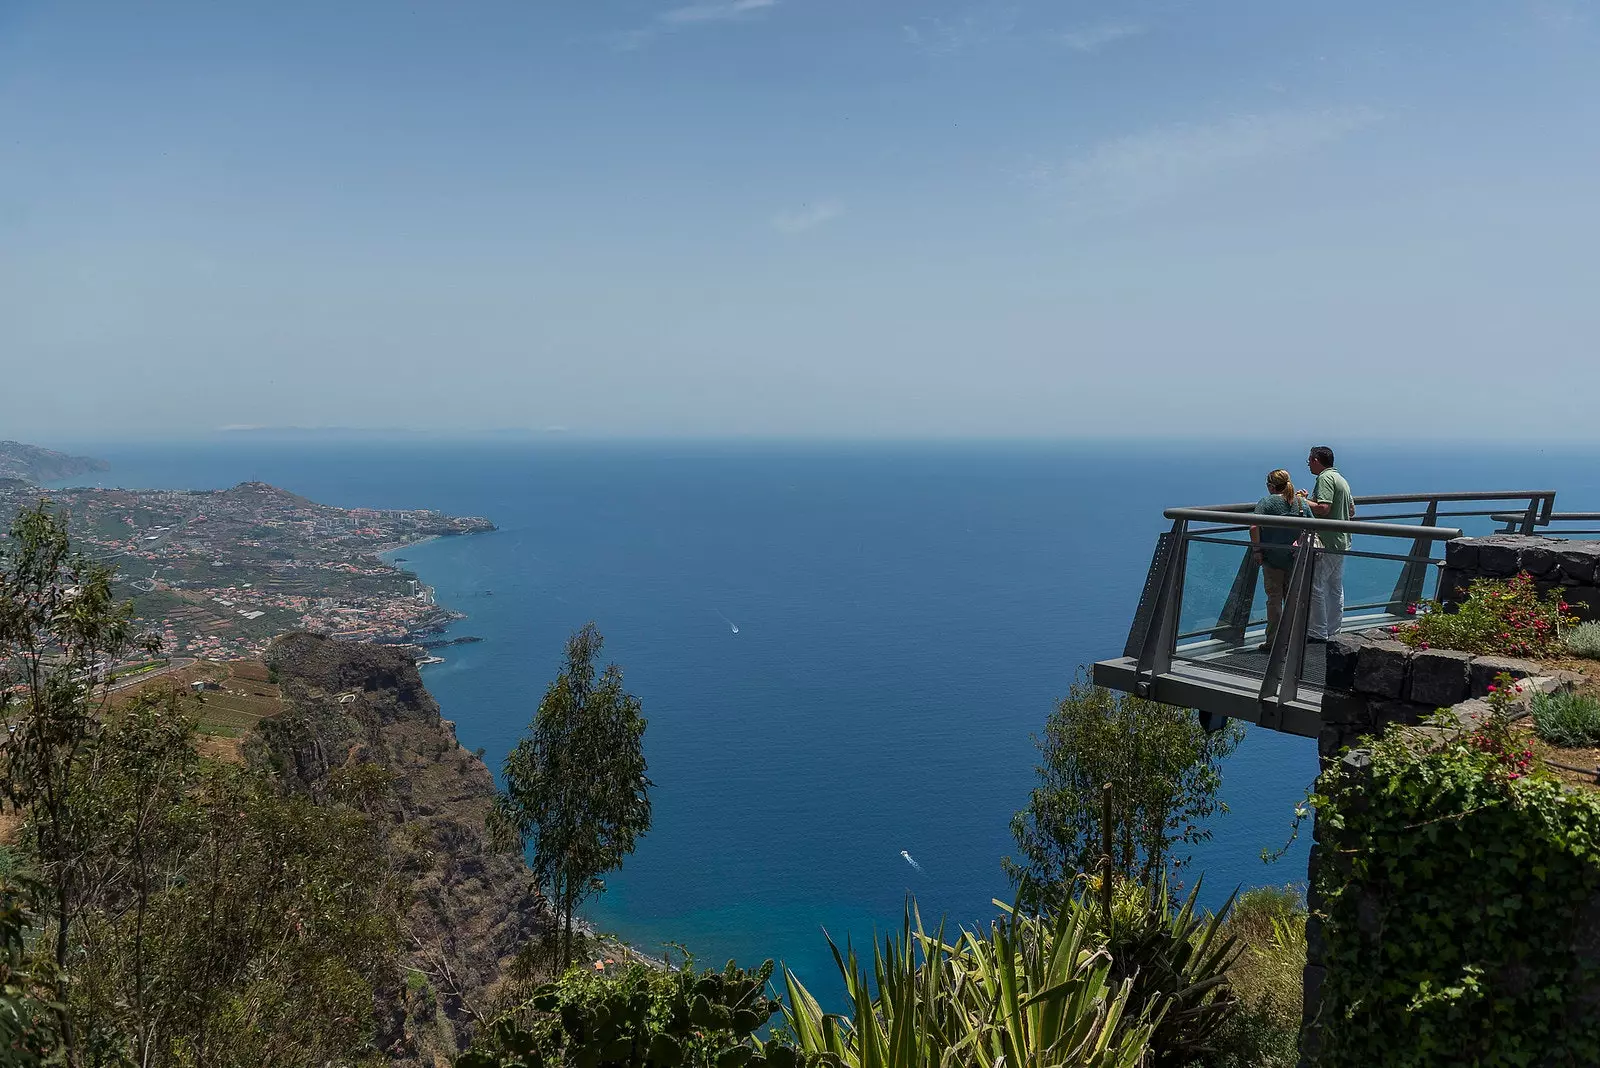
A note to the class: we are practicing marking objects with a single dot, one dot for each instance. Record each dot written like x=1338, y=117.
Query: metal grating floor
x=1249, y=661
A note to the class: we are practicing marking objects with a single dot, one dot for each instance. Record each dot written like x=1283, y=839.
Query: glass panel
x=1377, y=591
x=1208, y=581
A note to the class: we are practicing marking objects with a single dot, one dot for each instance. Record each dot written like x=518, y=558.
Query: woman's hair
x=1278, y=482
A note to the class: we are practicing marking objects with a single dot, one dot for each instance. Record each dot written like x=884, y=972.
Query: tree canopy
x=575, y=785
x=1165, y=769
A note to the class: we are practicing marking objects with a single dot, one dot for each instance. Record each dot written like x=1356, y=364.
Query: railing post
x=1235, y=616
x=1414, y=575
x=1531, y=516
x=1287, y=657
x=1162, y=636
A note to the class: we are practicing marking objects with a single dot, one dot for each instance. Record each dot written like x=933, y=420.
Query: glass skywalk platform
x=1200, y=622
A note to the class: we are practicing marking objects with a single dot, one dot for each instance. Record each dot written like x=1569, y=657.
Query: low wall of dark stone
x=1383, y=681
x=1573, y=567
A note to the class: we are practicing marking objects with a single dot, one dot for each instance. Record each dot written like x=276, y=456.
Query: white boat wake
x=909, y=861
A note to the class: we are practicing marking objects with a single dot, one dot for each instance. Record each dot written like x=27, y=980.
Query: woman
x=1273, y=546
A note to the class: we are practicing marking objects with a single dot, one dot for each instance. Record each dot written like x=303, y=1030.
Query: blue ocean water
x=906, y=617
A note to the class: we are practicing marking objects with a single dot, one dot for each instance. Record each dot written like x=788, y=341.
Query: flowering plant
x=1503, y=616
x=1510, y=755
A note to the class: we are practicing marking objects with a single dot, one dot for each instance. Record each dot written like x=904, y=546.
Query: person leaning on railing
x=1273, y=546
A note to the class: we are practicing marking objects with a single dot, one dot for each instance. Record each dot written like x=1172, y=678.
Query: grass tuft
x=1567, y=719
x=1584, y=640
x=1269, y=978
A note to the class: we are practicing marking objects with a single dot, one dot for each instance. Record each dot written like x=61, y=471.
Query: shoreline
x=382, y=553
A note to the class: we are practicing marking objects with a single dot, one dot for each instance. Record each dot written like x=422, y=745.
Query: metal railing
x=1514, y=525
x=1158, y=636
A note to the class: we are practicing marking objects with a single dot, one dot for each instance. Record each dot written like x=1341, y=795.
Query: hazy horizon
x=801, y=220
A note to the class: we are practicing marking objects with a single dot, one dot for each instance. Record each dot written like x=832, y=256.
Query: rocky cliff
x=471, y=908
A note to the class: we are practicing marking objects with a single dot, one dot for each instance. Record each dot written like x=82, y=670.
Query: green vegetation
x=176, y=912
x=29, y=1032
x=1584, y=640
x=1166, y=770
x=636, y=1015
x=166, y=910
x=1458, y=913
x=1032, y=989
x=1270, y=923
x=1567, y=719
x=58, y=626
x=1507, y=617
x=576, y=788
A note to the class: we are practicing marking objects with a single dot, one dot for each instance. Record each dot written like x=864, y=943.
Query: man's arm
x=1319, y=507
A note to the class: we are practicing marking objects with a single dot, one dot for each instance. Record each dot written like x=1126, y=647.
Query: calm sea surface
x=906, y=617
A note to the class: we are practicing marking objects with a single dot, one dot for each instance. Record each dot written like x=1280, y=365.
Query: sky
x=808, y=218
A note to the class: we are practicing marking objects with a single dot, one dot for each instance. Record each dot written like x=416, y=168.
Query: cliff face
x=471, y=908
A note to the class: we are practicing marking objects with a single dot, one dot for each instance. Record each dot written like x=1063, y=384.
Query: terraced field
x=244, y=695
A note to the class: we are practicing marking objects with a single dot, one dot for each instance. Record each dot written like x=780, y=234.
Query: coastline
x=383, y=554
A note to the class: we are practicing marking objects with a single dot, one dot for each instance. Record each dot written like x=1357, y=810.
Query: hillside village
x=217, y=573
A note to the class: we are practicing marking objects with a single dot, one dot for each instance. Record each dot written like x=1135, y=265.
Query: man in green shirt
x=1330, y=499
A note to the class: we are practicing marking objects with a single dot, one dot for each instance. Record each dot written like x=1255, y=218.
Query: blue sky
x=801, y=217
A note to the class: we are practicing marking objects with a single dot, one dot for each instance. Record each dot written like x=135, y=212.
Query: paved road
x=177, y=663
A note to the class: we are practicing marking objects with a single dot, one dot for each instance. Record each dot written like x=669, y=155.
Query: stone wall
x=1374, y=680
x=1573, y=567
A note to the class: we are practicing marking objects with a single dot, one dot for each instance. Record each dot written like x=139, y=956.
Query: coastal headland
x=219, y=573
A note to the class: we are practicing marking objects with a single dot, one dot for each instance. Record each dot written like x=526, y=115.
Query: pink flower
x=1564, y=606
x=1411, y=609
x=1394, y=630
x=1424, y=645
x=1493, y=688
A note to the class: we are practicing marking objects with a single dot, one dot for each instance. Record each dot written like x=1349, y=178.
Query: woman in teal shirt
x=1274, y=546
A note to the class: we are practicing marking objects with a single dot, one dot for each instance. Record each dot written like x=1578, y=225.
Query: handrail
x=1554, y=517
x=1341, y=526
x=1416, y=498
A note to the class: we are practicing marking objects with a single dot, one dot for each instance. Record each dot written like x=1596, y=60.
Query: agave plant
x=1031, y=992
x=1176, y=958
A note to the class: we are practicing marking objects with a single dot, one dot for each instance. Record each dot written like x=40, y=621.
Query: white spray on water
x=909, y=861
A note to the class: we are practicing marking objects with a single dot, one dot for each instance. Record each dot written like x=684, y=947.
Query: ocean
x=843, y=650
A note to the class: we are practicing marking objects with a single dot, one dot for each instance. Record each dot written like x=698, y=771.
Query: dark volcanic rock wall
x=472, y=908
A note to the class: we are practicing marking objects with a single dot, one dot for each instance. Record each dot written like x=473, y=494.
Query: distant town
x=218, y=573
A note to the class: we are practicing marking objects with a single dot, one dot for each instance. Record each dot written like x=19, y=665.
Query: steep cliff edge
x=471, y=908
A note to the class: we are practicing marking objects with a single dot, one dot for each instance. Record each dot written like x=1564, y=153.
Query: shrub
x=1567, y=719
x=635, y=1015
x=1454, y=913
x=1584, y=640
x=1499, y=616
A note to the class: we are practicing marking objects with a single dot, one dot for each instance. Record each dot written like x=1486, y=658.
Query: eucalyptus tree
x=576, y=788
x=1164, y=768
x=61, y=632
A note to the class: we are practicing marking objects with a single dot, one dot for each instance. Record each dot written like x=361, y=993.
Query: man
x=1330, y=499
